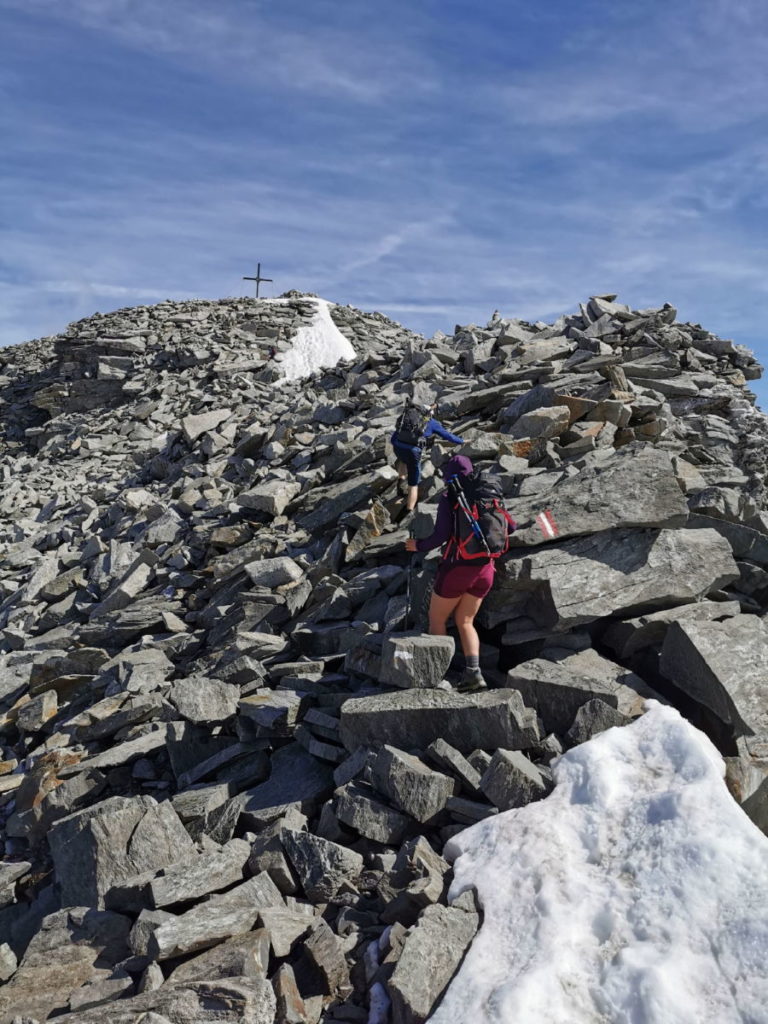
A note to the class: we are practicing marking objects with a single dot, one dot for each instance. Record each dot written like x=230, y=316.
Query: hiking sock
x=472, y=661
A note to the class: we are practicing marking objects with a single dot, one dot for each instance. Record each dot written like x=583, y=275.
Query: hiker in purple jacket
x=409, y=448
x=459, y=588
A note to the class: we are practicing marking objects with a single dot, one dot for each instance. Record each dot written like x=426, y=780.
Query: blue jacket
x=432, y=427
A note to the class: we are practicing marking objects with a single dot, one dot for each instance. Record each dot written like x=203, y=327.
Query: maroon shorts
x=455, y=580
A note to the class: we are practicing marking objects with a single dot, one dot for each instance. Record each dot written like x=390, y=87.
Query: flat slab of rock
x=415, y=718
x=272, y=497
x=200, y=699
x=411, y=786
x=321, y=866
x=415, y=660
x=557, y=689
x=62, y=957
x=214, y=921
x=632, y=635
x=724, y=666
x=356, y=806
x=432, y=954
x=296, y=778
x=194, y=426
x=228, y=1001
x=636, y=486
x=611, y=573
x=243, y=956
x=112, y=841
x=512, y=780
x=210, y=871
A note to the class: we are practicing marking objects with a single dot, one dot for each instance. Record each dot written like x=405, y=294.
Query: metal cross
x=258, y=279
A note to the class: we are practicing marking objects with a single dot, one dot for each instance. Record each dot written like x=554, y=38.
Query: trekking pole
x=408, y=582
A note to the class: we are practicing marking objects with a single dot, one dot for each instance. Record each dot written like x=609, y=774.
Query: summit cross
x=258, y=279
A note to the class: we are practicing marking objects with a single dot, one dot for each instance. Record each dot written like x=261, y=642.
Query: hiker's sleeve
x=442, y=530
x=433, y=427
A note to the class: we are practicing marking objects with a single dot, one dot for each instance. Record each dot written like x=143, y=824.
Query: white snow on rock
x=318, y=344
x=636, y=893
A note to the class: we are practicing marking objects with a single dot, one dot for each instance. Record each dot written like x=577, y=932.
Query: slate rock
x=8, y=962
x=200, y=699
x=723, y=666
x=210, y=871
x=227, y=1001
x=108, y=843
x=432, y=954
x=545, y=422
x=512, y=780
x=273, y=572
x=591, y=719
x=615, y=572
x=411, y=786
x=323, y=949
x=62, y=956
x=296, y=778
x=356, y=806
x=415, y=660
x=415, y=718
x=214, y=920
x=243, y=956
x=635, y=487
x=450, y=760
x=322, y=867
x=290, y=1008
x=633, y=635
x=558, y=687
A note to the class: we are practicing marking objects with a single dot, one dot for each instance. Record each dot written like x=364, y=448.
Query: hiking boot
x=471, y=679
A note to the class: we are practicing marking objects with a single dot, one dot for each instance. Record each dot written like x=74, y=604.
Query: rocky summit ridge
x=230, y=761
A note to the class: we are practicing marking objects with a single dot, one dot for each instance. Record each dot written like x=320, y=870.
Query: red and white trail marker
x=546, y=523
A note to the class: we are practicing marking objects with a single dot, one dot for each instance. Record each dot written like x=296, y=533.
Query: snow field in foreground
x=636, y=893
x=318, y=344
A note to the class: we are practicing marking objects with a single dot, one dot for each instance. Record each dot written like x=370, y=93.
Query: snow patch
x=636, y=893
x=317, y=345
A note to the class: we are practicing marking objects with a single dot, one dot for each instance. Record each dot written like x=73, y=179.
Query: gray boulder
x=200, y=699
x=432, y=954
x=632, y=635
x=558, y=688
x=415, y=718
x=214, y=921
x=416, y=660
x=227, y=1001
x=356, y=806
x=591, y=719
x=110, y=842
x=635, y=487
x=723, y=666
x=609, y=573
x=411, y=786
x=512, y=780
x=321, y=866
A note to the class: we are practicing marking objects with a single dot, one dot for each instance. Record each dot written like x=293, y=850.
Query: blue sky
x=433, y=159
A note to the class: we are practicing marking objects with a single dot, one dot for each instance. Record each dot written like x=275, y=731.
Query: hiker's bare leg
x=402, y=469
x=464, y=616
x=413, y=497
x=440, y=609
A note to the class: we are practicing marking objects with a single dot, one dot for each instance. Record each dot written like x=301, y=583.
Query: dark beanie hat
x=457, y=465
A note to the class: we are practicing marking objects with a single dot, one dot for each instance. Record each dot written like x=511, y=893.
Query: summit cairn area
x=230, y=759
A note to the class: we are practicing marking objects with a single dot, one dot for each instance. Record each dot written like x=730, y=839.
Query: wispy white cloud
x=249, y=42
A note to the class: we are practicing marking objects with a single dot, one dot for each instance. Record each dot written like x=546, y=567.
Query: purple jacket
x=458, y=465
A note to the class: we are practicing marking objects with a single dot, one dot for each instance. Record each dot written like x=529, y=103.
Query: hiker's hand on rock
x=410, y=544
